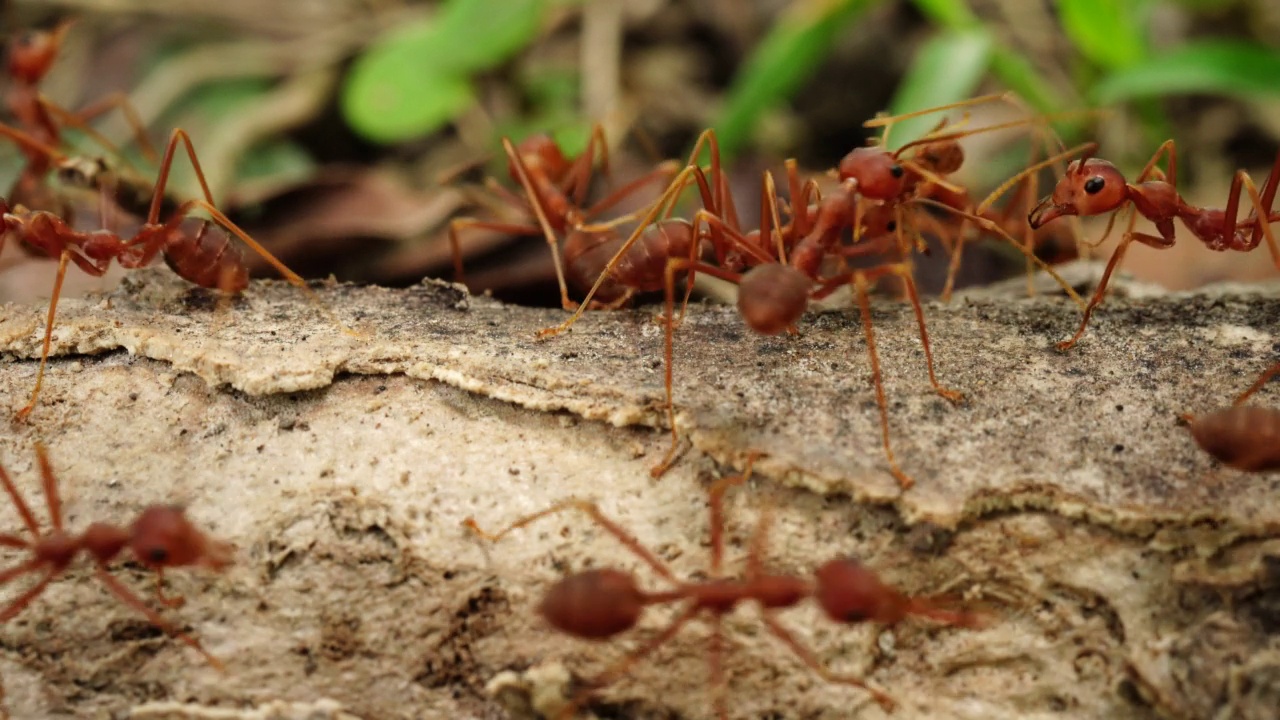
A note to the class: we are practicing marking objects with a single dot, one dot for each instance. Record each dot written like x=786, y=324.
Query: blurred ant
x=160, y=537
x=1245, y=437
x=1093, y=186
x=555, y=187
x=601, y=603
x=30, y=55
x=196, y=249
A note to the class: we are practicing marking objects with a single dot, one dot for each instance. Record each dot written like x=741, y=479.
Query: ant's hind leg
x=809, y=659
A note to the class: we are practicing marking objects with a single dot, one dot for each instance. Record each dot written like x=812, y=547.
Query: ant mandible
x=1093, y=186
x=160, y=537
x=601, y=603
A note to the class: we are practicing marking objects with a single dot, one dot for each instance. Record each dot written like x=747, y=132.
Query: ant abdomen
x=540, y=151
x=943, y=157
x=772, y=297
x=850, y=592
x=594, y=604
x=1245, y=437
x=585, y=254
x=203, y=253
x=644, y=265
x=878, y=173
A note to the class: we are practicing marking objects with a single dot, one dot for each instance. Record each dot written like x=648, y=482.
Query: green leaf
x=787, y=56
x=414, y=79
x=945, y=70
x=1015, y=71
x=952, y=14
x=1110, y=33
x=1210, y=67
x=479, y=34
x=277, y=159
x=385, y=112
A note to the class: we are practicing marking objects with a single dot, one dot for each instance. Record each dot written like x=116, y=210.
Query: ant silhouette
x=160, y=537
x=601, y=603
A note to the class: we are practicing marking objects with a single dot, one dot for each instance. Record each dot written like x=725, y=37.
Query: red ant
x=1093, y=186
x=601, y=603
x=198, y=250
x=1245, y=437
x=160, y=537
x=773, y=294
x=555, y=188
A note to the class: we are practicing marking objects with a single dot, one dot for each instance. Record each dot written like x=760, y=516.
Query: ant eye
x=893, y=225
x=1094, y=185
x=158, y=555
x=26, y=39
x=895, y=170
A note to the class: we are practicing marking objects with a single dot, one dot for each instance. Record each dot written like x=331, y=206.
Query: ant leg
x=808, y=658
x=1155, y=241
x=1261, y=216
x=904, y=271
x=621, y=667
x=669, y=195
x=455, y=243
x=48, y=334
x=1263, y=208
x=979, y=218
x=953, y=269
x=28, y=519
x=861, y=281
x=128, y=597
x=665, y=171
x=1270, y=373
x=170, y=601
x=553, y=243
x=50, y=483
x=718, y=489
x=715, y=663
x=674, y=265
x=22, y=601
x=578, y=179
x=593, y=511
x=81, y=118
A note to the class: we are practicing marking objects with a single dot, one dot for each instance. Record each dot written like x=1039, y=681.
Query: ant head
x=878, y=173
x=1092, y=187
x=32, y=53
x=943, y=157
x=162, y=536
x=594, y=605
x=850, y=592
x=540, y=151
x=772, y=297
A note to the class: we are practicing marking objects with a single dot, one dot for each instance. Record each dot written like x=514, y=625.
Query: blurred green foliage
x=418, y=77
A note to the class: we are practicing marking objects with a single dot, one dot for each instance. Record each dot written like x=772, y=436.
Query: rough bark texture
x=1128, y=575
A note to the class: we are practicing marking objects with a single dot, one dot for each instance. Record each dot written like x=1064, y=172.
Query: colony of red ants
x=879, y=206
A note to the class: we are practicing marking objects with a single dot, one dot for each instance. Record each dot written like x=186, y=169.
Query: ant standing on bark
x=602, y=603
x=198, y=250
x=1093, y=186
x=160, y=537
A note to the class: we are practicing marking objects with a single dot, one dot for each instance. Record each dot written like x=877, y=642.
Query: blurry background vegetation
x=346, y=133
